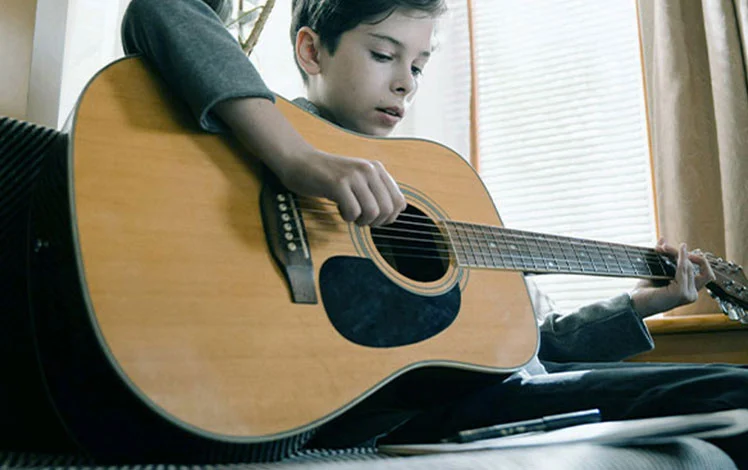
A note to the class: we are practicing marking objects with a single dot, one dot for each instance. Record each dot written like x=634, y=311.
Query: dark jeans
x=427, y=410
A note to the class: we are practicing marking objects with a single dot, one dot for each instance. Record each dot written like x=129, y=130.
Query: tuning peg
x=743, y=315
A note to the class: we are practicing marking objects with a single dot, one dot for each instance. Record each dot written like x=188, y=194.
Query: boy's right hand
x=363, y=189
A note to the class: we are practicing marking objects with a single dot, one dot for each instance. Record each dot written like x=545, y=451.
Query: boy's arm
x=604, y=331
x=614, y=330
x=190, y=48
x=187, y=44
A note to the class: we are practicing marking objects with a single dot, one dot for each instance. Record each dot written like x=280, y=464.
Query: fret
x=487, y=259
x=628, y=265
x=661, y=269
x=640, y=264
x=477, y=242
x=603, y=265
x=498, y=249
x=453, y=240
x=465, y=249
x=508, y=250
x=469, y=249
x=571, y=259
x=585, y=260
x=552, y=262
x=493, y=248
x=562, y=257
x=534, y=251
x=542, y=252
x=570, y=254
x=526, y=253
x=596, y=256
x=475, y=246
x=490, y=247
x=615, y=255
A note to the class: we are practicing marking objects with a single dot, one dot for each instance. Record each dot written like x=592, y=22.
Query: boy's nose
x=405, y=85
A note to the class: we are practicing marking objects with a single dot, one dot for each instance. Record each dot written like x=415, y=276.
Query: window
x=563, y=138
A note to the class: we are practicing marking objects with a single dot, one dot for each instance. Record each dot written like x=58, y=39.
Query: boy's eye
x=416, y=71
x=380, y=57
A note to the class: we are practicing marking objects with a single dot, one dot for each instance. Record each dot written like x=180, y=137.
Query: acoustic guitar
x=188, y=307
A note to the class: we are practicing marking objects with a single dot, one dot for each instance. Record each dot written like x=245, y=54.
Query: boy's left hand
x=649, y=298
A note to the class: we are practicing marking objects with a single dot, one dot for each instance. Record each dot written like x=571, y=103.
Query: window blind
x=563, y=138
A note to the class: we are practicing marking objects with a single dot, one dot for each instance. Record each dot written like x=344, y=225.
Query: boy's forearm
x=263, y=130
x=642, y=304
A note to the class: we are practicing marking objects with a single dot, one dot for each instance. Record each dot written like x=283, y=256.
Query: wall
x=49, y=50
x=16, y=43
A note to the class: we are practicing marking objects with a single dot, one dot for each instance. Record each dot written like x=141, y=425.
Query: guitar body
x=167, y=327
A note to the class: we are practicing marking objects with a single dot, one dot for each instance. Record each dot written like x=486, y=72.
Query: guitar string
x=506, y=233
x=539, y=249
x=510, y=238
x=592, y=264
x=497, y=243
x=525, y=234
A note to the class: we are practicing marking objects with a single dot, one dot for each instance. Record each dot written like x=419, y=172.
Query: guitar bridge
x=287, y=239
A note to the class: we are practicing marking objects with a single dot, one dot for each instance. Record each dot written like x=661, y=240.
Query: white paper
x=628, y=432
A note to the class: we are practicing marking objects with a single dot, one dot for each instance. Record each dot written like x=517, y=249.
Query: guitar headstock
x=730, y=288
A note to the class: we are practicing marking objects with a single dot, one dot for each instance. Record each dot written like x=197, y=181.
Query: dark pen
x=546, y=423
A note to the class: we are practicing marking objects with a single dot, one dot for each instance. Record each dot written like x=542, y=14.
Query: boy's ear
x=308, y=48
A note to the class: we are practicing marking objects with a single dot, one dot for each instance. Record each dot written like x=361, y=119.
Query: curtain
x=695, y=63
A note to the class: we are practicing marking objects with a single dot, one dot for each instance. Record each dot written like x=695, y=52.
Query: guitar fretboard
x=482, y=246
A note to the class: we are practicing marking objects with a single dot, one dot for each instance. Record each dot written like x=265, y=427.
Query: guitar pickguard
x=369, y=309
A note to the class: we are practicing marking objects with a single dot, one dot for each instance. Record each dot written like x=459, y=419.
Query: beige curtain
x=695, y=62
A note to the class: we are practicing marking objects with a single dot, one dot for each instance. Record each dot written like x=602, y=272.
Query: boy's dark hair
x=331, y=18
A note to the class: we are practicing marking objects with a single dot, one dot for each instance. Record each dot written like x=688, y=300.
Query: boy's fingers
x=689, y=281
x=681, y=269
x=396, y=196
x=706, y=274
x=691, y=278
x=383, y=200
x=367, y=201
x=348, y=205
x=664, y=247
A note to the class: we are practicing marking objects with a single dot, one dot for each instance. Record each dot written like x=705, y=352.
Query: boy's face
x=370, y=81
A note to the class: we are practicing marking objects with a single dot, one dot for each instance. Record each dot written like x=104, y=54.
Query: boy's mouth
x=392, y=111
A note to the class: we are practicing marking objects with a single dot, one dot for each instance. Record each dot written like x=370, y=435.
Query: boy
x=361, y=61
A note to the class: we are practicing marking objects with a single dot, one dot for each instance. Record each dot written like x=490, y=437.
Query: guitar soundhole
x=414, y=246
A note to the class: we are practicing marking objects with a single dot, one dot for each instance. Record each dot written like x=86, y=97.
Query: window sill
x=696, y=339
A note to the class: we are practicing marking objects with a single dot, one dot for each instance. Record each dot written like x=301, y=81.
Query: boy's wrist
x=643, y=303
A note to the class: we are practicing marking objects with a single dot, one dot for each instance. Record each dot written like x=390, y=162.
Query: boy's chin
x=378, y=131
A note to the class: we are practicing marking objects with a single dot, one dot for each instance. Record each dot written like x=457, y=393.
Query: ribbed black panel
x=103, y=414
x=27, y=420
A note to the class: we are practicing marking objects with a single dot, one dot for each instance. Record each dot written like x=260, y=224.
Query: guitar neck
x=482, y=246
